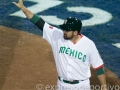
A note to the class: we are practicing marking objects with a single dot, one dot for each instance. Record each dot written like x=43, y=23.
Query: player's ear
x=75, y=32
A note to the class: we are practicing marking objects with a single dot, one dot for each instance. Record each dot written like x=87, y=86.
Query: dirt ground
x=26, y=62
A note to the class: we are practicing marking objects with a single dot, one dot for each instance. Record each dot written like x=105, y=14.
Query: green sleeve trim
x=34, y=19
x=100, y=71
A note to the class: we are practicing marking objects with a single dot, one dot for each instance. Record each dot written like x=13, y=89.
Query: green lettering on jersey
x=76, y=54
x=62, y=49
x=67, y=50
x=73, y=53
x=84, y=58
x=80, y=55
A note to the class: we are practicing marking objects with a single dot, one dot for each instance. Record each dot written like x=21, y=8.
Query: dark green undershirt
x=34, y=19
x=100, y=71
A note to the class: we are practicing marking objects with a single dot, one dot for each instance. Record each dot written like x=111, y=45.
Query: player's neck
x=76, y=38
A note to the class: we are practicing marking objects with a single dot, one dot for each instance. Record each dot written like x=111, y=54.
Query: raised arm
x=39, y=22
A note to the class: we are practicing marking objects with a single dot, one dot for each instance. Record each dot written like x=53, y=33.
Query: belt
x=70, y=82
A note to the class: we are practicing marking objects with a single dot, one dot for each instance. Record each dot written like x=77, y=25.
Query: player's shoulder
x=87, y=40
x=51, y=27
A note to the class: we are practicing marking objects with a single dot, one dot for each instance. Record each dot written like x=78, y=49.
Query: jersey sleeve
x=51, y=34
x=95, y=58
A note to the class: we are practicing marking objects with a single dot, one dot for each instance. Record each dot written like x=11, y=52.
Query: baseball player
x=73, y=52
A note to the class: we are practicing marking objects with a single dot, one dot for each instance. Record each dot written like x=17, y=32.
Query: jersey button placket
x=69, y=69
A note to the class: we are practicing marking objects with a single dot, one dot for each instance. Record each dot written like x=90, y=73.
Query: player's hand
x=19, y=4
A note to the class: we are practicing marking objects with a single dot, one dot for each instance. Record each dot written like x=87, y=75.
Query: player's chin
x=66, y=38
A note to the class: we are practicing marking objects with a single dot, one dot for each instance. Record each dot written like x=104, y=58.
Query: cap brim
x=62, y=27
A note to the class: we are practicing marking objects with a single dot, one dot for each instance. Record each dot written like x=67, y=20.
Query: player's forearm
x=38, y=21
x=35, y=19
x=102, y=80
x=27, y=12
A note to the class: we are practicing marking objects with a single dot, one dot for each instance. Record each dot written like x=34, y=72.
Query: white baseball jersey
x=72, y=60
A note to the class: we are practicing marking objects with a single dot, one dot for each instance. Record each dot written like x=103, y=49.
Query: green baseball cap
x=71, y=24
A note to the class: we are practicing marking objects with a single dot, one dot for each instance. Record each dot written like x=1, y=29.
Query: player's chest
x=70, y=50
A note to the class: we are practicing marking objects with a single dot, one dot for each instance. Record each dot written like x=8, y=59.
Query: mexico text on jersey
x=72, y=53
